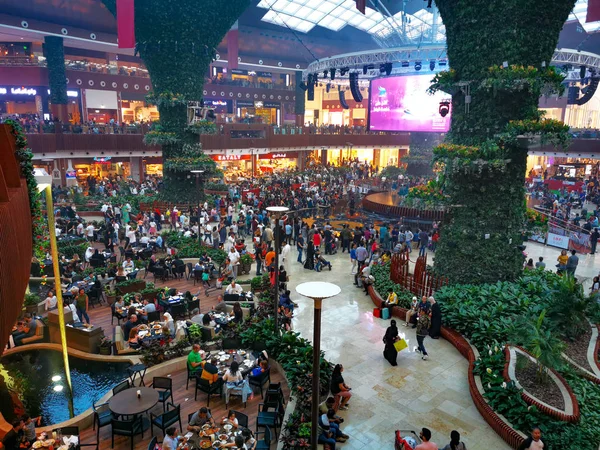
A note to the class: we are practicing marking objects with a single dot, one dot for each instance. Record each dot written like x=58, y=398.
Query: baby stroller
x=321, y=262
x=408, y=442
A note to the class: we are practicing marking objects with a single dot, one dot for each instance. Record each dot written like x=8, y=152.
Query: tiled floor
x=414, y=394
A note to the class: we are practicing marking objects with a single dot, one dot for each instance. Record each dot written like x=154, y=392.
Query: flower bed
x=539, y=307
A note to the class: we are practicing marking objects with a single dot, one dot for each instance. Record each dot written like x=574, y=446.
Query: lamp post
x=45, y=184
x=318, y=291
x=277, y=211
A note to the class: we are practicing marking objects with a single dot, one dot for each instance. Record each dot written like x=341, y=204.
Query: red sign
x=126, y=23
x=221, y=158
x=278, y=155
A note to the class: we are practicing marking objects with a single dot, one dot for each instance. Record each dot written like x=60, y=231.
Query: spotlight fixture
x=355, y=88
x=432, y=64
x=429, y=2
x=344, y=71
x=442, y=63
x=381, y=68
x=303, y=86
x=444, y=108
x=332, y=71
x=365, y=70
x=328, y=87
x=582, y=71
x=418, y=65
x=405, y=64
x=325, y=73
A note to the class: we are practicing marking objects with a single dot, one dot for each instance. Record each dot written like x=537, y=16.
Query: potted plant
x=230, y=337
x=246, y=263
x=149, y=292
x=194, y=333
x=31, y=303
x=259, y=284
x=127, y=286
x=111, y=296
x=105, y=346
x=100, y=271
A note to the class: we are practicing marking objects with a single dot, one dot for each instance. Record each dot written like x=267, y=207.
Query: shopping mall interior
x=294, y=224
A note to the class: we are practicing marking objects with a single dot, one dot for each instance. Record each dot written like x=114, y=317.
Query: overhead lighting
x=432, y=64
x=344, y=71
x=58, y=388
x=332, y=71
x=56, y=378
x=418, y=65
x=444, y=108
x=405, y=64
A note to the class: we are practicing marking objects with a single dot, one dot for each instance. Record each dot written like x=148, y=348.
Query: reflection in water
x=32, y=382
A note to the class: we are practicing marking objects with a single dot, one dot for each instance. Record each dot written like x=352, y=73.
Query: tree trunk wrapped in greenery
x=494, y=120
x=177, y=41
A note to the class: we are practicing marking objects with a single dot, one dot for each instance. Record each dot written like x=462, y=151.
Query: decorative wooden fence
x=422, y=282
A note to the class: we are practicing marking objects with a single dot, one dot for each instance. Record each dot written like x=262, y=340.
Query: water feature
x=33, y=382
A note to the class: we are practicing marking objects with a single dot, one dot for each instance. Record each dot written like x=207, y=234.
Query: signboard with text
x=222, y=158
x=278, y=155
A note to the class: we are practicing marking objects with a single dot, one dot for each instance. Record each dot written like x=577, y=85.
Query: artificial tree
x=421, y=153
x=176, y=40
x=499, y=52
x=54, y=52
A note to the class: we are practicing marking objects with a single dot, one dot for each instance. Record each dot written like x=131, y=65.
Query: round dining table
x=127, y=403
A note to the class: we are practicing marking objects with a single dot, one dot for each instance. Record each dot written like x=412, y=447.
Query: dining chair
x=242, y=418
x=163, y=421
x=164, y=386
x=191, y=375
x=153, y=443
x=265, y=442
x=203, y=385
x=259, y=381
x=103, y=417
x=121, y=387
x=129, y=428
x=190, y=269
x=268, y=416
x=193, y=305
x=153, y=316
x=178, y=310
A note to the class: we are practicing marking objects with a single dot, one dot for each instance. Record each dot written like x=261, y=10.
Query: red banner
x=126, y=23
x=278, y=155
x=222, y=158
x=593, y=11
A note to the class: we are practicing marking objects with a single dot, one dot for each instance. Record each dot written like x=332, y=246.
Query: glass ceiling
x=579, y=14
x=304, y=15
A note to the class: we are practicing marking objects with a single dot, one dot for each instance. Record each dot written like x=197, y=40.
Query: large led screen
x=403, y=104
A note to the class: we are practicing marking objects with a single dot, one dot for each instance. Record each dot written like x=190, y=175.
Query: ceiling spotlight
x=381, y=68
x=442, y=63
x=429, y=2
x=325, y=73
x=365, y=69
x=56, y=378
x=58, y=388
x=344, y=71
x=444, y=108
x=332, y=71
x=405, y=64
x=432, y=64
x=582, y=71
x=418, y=65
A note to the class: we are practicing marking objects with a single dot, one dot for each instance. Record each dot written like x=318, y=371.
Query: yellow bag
x=400, y=345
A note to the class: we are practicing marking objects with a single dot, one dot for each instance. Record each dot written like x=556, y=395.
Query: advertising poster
x=403, y=104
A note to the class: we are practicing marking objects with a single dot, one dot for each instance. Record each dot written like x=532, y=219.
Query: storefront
x=34, y=100
x=153, y=166
x=101, y=106
x=223, y=109
x=234, y=166
x=101, y=167
x=134, y=108
x=276, y=161
x=259, y=112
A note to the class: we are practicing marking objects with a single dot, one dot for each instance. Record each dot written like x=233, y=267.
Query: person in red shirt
x=317, y=239
x=434, y=240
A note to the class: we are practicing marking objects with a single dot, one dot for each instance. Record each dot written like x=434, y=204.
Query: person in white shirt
x=131, y=235
x=50, y=302
x=170, y=441
x=80, y=229
x=71, y=307
x=187, y=233
x=89, y=232
x=88, y=254
x=234, y=258
x=234, y=288
x=144, y=239
x=285, y=253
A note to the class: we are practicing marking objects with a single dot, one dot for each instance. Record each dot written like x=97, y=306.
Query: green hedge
x=383, y=284
x=191, y=248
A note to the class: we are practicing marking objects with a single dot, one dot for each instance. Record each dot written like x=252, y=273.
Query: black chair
x=190, y=269
x=121, y=254
x=95, y=297
x=178, y=310
x=160, y=273
x=121, y=387
x=191, y=375
x=115, y=315
x=153, y=316
x=179, y=271
x=260, y=380
x=197, y=273
x=265, y=442
x=164, y=385
x=171, y=416
x=152, y=444
x=102, y=417
x=210, y=389
x=268, y=416
x=129, y=428
x=242, y=419
x=192, y=306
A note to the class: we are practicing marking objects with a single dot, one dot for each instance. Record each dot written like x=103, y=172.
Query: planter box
x=31, y=309
x=105, y=350
x=150, y=296
x=231, y=343
x=134, y=287
x=245, y=268
x=110, y=299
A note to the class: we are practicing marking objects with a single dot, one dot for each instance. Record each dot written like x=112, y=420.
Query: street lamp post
x=277, y=211
x=318, y=291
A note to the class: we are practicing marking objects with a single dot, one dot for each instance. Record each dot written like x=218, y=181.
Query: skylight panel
x=305, y=26
x=326, y=6
x=315, y=16
x=290, y=8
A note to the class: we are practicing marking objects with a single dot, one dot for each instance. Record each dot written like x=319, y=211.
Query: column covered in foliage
x=177, y=41
x=57, y=77
x=494, y=112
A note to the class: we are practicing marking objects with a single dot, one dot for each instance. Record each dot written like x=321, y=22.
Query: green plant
x=105, y=342
x=194, y=333
x=31, y=299
x=57, y=78
x=383, y=284
x=246, y=259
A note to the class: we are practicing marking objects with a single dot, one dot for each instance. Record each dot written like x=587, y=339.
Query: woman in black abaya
x=310, y=256
x=436, y=319
x=391, y=336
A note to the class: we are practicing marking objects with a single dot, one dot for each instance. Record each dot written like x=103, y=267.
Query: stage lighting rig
x=332, y=71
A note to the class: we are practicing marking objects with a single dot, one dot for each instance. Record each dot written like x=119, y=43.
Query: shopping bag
x=400, y=345
x=377, y=312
